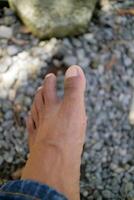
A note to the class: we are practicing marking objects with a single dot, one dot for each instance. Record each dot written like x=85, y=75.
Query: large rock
x=54, y=18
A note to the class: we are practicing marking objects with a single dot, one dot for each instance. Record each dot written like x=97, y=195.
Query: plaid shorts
x=28, y=190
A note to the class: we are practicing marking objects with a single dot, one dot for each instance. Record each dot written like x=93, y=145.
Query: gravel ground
x=106, y=53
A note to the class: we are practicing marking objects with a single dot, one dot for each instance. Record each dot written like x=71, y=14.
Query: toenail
x=49, y=75
x=72, y=72
x=39, y=88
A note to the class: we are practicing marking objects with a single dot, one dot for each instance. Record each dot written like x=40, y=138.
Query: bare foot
x=56, y=134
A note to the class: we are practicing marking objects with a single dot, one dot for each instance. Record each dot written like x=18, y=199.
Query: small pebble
x=6, y=32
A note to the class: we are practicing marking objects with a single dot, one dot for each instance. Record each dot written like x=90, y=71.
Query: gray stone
x=130, y=195
x=98, y=146
x=8, y=158
x=9, y=115
x=129, y=187
x=107, y=194
x=67, y=43
x=55, y=18
x=70, y=60
x=85, y=193
x=108, y=34
x=6, y=32
x=7, y=124
x=12, y=50
x=30, y=90
x=80, y=54
x=28, y=101
x=77, y=43
x=8, y=20
x=127, y=61
x=8, y=12
x=5, y=62
x=90, y=38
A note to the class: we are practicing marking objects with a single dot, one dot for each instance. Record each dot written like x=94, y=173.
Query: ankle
x=57, y=173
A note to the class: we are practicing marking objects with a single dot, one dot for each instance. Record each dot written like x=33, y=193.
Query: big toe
x=74, y=85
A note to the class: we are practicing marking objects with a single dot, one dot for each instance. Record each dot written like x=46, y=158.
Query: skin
x=56, y=134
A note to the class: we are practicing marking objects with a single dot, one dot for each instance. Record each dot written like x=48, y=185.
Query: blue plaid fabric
x=28, y=190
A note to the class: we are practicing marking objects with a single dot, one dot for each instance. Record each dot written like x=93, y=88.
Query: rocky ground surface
x=106, y=53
